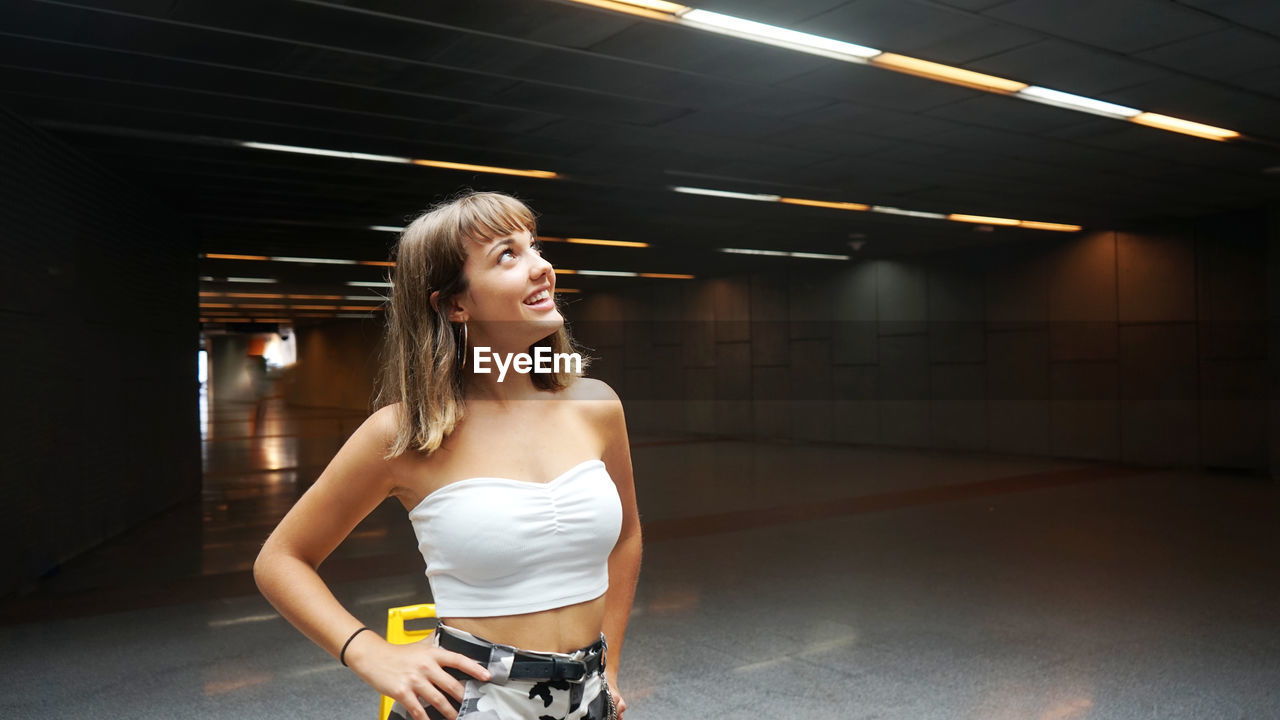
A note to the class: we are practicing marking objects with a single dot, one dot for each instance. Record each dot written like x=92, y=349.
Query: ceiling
x=623, y=108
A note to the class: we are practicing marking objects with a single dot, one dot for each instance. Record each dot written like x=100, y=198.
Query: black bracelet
x=342, y=656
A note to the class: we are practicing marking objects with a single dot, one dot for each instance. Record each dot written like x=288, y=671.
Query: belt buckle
x=565, y=669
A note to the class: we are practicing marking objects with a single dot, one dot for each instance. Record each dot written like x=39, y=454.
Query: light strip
x=368, y=283
x=887, y=210
x=638, y=7
x=669, y=276
x=252, y=280
x=779, y=37
x=819, y=256
x=825, y=204
x=224, y=256
x=326, y=153
x=485, y=169
x=1059, y=227
x=568, y=290
x=783, y=253
x=606, y=273
x=907, y=213
x=394, y=159
x=982, y=219
x=1061, y=99
x=1173, y=124
x=849, y=52
x=727, y=194
x=324, y=261
x=611, y=243
x=386, y=228
x=269, y=296
x=946, y=73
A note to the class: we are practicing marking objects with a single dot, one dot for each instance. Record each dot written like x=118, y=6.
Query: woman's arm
x=624, y=561
x=354, y=483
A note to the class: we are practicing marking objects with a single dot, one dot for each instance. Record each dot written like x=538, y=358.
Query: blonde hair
x=420, y=365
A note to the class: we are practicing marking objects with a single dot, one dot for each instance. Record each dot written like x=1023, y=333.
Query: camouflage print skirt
x=502, y=698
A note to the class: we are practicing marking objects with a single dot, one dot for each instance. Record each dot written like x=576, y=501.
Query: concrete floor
x=779, y=581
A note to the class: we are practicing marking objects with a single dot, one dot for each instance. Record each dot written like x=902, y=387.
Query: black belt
x=527, y=666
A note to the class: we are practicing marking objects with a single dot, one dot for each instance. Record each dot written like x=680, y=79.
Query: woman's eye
x=506, y=252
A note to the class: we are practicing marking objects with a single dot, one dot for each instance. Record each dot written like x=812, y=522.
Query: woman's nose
x=540, y=267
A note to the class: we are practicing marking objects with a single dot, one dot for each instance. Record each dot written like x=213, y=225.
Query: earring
x=463, y=362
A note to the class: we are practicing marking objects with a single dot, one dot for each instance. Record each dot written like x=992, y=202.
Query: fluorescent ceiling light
x=780, y=37
x=485, y=168
x=873, y=208
x=386, y=228
x=819, y=256
x=654, y=9
x=1077, y=102
x=982, y=219
x=1060, y=227
x=1164, y=122
x=612, y=243
x=824, y=204
x=947, y=73
x=727, y=194
x=326, y=153
x=670, y=276
x=226, y=256
x=751, y=251
x=395, y=159
x=908, y=213
x=357, y=297
x=784, y=253
x=659, y=5
x=251, y=280
x=368, y=283
x=206, y=278
x=606, y=273
x=324, y=261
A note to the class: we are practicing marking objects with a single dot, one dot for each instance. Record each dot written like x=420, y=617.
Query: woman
x=519, y=490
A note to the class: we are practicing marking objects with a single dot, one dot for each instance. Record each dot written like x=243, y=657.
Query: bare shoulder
x=595, y=396
x=384, y=422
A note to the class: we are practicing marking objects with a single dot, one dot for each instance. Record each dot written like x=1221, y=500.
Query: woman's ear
x=454, y=311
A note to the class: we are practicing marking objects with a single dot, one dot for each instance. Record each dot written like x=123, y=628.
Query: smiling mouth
x=538, y=297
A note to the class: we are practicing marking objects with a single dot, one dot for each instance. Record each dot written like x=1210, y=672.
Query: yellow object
x=398, y=635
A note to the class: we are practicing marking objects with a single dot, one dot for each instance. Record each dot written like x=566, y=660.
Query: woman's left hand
x=617, y=696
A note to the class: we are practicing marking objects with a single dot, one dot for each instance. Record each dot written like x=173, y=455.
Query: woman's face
x=510, y=300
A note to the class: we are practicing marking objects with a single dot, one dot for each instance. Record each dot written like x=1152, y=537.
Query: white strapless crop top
x=499, y=546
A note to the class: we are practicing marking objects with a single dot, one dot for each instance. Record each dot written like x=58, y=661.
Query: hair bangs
x=486, y=216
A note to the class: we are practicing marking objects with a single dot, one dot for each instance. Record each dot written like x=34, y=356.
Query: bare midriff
x=561, y=630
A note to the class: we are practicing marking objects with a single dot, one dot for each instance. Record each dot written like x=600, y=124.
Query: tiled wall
x=99, y=327
x=1138, y=347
